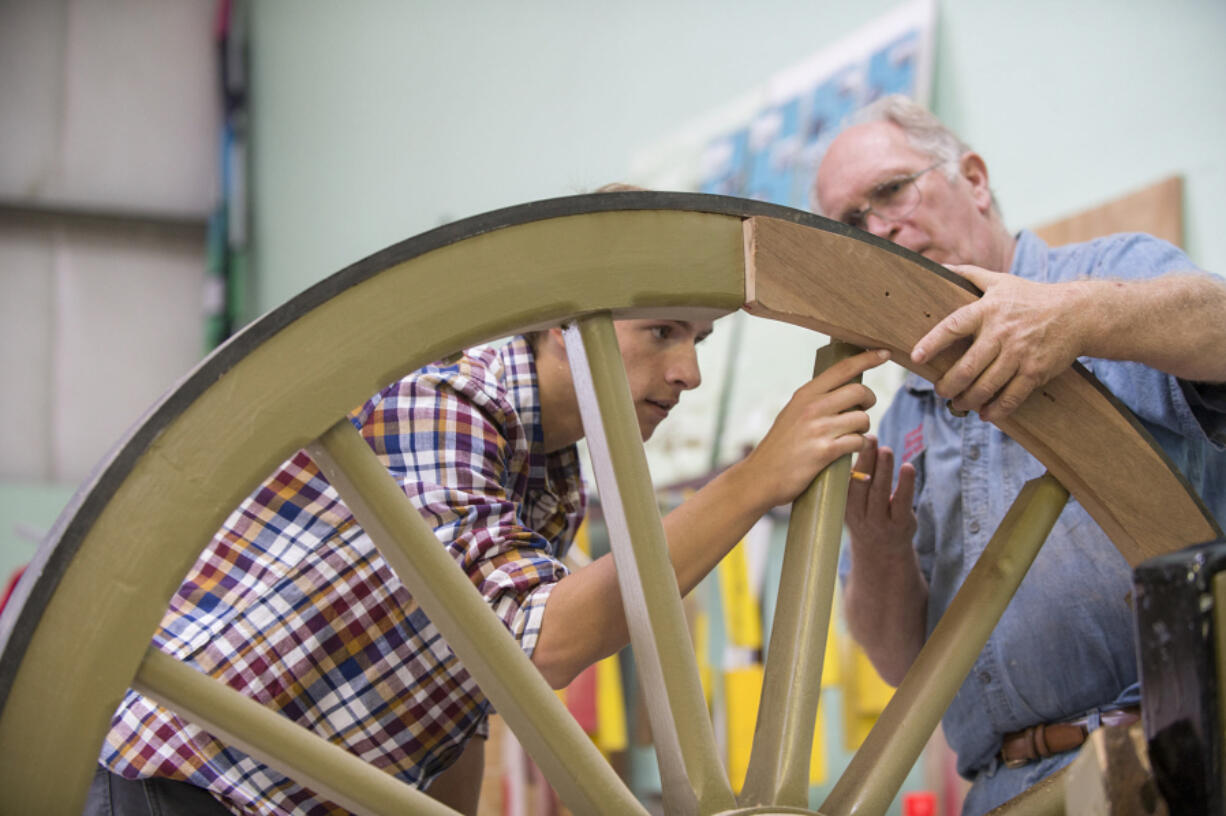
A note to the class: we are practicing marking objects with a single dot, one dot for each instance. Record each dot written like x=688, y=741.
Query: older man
x=1130, y=307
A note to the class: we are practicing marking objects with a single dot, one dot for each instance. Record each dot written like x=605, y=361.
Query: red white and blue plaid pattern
x=292, y=605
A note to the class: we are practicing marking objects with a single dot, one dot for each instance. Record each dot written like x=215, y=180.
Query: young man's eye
x=661, y=332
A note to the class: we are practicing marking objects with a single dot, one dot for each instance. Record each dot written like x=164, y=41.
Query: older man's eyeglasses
x=894, y=199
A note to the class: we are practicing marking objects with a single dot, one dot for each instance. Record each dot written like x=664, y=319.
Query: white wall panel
x=31, y=94
x=26, y=309
x=141, y=112
x=110, y=105
x=129, y=325
x=109, y=109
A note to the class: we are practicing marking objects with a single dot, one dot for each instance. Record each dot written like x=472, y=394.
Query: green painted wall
x=383, y=120
x=29, y=511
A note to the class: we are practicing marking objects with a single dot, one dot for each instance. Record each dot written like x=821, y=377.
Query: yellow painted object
x=817, y=759
x=832, y=662
x=583, y=538
x=865, y=695
x=742, y=691
x=742, y=612
x=610, y=733
x=702, y=656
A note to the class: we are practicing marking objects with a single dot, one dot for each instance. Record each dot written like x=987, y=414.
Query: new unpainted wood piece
x=778, y=772
x=1111, y=776
x=1044, y=798
x=1072, y=425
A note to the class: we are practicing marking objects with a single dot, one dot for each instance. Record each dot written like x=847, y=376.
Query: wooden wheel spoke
x=693, y=778
x=778, y=771
x=542, y=724
x=279, y=742
x=876, y=772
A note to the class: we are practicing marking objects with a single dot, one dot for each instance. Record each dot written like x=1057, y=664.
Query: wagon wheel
x=77, y=633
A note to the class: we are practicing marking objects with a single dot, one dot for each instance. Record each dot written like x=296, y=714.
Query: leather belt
x=1046, y=739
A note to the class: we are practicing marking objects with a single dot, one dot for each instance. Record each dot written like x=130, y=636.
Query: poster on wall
x=766, y=145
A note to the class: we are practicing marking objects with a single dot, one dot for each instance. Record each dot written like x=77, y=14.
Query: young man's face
x=661, y=361
x=947, y=224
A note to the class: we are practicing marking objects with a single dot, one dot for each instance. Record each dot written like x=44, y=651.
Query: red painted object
x=12, y=584
x=581, y=699
x=919, y=803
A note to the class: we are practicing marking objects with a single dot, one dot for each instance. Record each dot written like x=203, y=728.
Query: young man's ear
x=549, y=344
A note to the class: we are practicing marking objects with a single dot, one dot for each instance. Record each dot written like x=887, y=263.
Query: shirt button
x=985, y=678
x=973, y=453
x=973, y=527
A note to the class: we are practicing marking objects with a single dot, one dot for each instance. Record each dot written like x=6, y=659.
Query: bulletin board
x=767, y=145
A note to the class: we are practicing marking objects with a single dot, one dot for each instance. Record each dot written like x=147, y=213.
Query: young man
x=292, y=604
x=1063, y=650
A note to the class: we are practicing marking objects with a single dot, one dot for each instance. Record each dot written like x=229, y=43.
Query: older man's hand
x=1025, y=333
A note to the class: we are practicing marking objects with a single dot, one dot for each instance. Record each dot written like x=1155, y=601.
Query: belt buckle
x=1016, y=763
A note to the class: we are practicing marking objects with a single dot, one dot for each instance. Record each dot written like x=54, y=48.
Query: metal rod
x=876, y=772
x=693, y=779
x=791, y=689
x=568, y=758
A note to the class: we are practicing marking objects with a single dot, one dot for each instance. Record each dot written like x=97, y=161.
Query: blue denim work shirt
x=1064, y=647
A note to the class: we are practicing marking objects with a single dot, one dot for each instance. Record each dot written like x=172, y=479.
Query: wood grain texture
x=852, y=290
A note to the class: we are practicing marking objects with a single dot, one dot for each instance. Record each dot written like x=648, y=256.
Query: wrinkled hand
x=824, y=419
x=881, y=524
x=1024, y=333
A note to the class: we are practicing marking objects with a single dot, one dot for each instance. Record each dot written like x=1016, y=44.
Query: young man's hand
x=826, y=418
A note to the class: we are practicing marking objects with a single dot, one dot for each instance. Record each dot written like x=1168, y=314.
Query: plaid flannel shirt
x=292, y=605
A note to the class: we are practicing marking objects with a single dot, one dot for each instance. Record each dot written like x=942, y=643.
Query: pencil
x=861, y=477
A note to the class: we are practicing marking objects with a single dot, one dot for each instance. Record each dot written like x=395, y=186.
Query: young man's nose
x=683, y=368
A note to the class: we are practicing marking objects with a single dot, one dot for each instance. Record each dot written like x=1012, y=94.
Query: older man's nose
x=881, y=227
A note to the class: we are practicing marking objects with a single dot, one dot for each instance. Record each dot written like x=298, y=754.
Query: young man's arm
x=583, y=619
